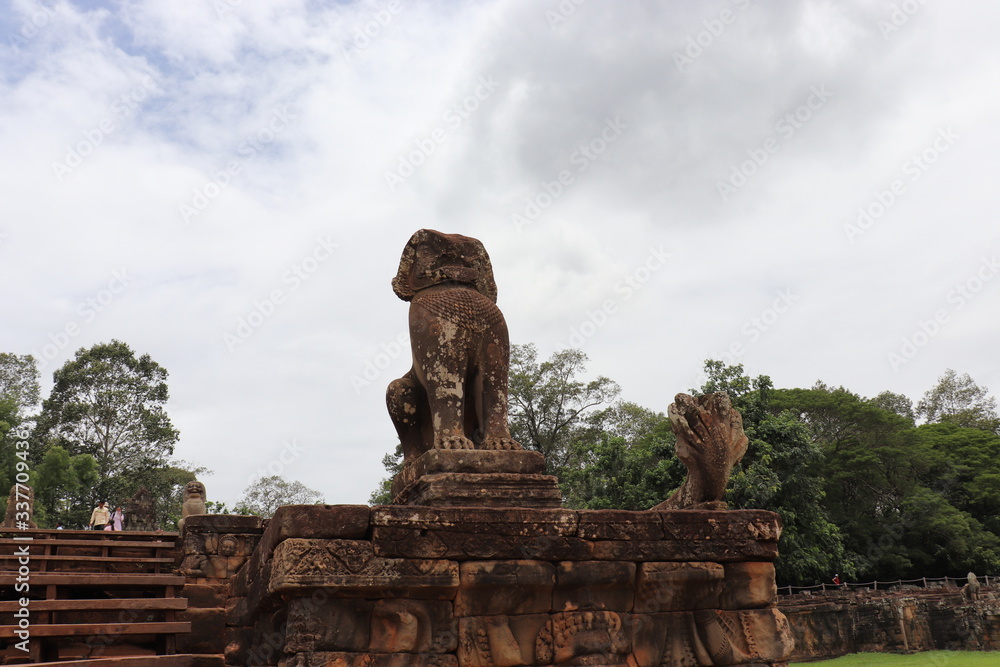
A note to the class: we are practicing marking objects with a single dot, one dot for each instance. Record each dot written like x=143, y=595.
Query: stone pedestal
x=476, y=478
x=405, y=586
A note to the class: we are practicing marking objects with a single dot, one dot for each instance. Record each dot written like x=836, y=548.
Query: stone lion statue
x=970, y=591
x=11, y=518
x=194, y=502
x=455, y=396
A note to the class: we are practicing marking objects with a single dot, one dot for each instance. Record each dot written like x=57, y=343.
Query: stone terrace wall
x=445, y=586
x=838, y=623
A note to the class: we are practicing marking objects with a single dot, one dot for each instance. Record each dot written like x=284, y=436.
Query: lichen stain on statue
x=455, y=395
x=194, y=502
x=710, y=441
x=20, y=501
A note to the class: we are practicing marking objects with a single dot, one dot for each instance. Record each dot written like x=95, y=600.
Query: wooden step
x=180, y=660
x=89, y=559
x=103, y=629
x=92, y=534
x=143, y=544
x=94, y=579
x=93, y=605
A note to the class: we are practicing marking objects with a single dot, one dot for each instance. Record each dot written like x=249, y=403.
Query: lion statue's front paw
x=453, y=442
x=502, y=443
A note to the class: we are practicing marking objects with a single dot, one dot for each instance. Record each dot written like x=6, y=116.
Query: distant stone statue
x=971, y=590
x=140, y=511
x=710, y=441
x=455, y=395
x=194, y=502
x=20, y=507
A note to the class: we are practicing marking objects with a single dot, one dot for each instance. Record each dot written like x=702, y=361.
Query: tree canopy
x=266, y=494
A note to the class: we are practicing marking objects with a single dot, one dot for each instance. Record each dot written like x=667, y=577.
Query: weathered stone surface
x=468, y=460
x=594, y=585
x=711, y=637
x=466, y=489
x=321, y=659
x=710, y=441
x=504, y=641
x=488, y=588
x=348, y=522
x=577, y=636
x=748, y=586
x=351, y=568
x=238, y=642
x=237, y=612
x=203, y=594
x=222, y=523
x=619, y=525
x=486, y=520
x=16, y=516
x=140, y=511
x=194, y=503
x=413, y=543
x=413, y=626
x=457, y=333
x=759, y=525
x=719, y=551
x=678, y=586
x=208, y=631
x=332, y=624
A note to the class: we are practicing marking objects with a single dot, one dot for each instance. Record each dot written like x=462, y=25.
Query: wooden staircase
x=98, y=597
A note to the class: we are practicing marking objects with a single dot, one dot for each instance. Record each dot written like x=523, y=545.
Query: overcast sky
x=808, y=188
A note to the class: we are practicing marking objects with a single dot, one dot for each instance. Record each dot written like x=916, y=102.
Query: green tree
x=625, y=459
x=63, y=488
x=108, y=403
x=266, y=494
x=393, y=463
x=19, y=379
x=957, y=399
x=780, y=472
x=547, y=402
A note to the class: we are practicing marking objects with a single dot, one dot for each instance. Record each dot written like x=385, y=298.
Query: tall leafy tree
x=19, y=381
x=957, y=399
x=267, y=494
x=110, y=404
x=548, y=402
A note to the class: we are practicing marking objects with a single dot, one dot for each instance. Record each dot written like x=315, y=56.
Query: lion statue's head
x=194, y=489
x=431, y=258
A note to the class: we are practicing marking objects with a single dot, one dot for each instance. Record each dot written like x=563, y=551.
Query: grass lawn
x=926, y=659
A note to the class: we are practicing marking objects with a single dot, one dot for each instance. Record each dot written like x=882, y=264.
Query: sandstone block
x=349, y=522
x=581, y=637
x=711, y=637
x=678, y=586
x=594, y=585
x=337, y=659
x=620, y=525
x=332, y=624
x=208, y=631
x=488, y=588
x=222, y=523
x=757, y=525
x=350, y=568
x=468, y=460
x=719, y=551
x=748, y=586
x=412, y=543
x=413, y=626
x=466, y=489
x=504, y=641
x=486, y=520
